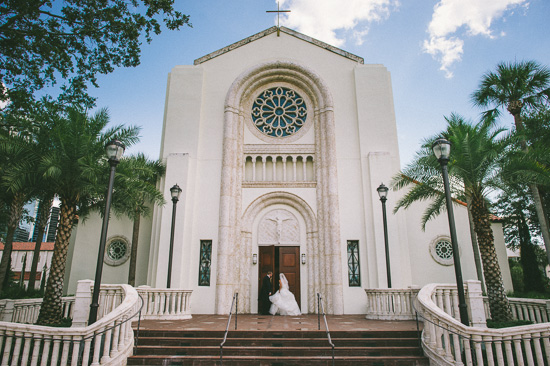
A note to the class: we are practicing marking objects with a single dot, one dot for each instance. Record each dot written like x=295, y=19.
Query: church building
x=279, y=142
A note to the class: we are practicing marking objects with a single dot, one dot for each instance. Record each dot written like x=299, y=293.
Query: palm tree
x=17, y=163
x=518, y=86
x=73, y=167
x=44, y=207
x=473, y=169
x=136, y=190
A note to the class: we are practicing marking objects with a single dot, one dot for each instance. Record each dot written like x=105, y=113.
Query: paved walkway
x=278, y=323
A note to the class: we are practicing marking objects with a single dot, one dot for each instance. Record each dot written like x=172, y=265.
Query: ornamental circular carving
x=117, y=251
x=441, y=250
x=279, y=112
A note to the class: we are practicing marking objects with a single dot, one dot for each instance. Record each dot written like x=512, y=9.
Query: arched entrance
x=279, y=227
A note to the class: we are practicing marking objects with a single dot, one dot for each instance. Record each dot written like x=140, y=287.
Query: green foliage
x=516, y=271
x=73, y=40
x=17, y=292
x=507, y=324
x=63, y=323
x=513, y=86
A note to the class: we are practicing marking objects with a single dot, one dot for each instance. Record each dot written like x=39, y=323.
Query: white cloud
x=453, y=19
x=334, y=21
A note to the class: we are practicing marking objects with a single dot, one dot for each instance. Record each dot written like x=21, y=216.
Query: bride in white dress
x=283, y=301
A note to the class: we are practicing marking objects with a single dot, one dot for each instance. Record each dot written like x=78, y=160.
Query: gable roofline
x=288, y=31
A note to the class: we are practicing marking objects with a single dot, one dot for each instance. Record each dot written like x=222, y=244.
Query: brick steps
x=279, y=361
x=278, y=348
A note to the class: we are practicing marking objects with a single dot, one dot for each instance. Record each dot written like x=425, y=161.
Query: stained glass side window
x=205, y=262
x=354, y=270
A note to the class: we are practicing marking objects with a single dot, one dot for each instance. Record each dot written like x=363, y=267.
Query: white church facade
x=279, y=142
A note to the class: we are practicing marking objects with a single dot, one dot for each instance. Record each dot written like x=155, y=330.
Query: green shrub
x=508, y=324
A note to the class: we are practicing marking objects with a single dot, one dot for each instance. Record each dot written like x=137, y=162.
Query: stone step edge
x=278, y=339
x=285, y=348
x=231, y=357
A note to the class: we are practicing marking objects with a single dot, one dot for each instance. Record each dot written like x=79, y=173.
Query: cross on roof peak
x=278, y=11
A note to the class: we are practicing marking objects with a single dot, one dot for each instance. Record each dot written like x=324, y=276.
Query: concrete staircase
x=278, y=348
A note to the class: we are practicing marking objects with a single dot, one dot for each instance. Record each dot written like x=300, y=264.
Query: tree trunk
x=498, y=302
x=44, y=208
x=51, y=311
x=475, y=246
x=16, y=210
x=541, y=217
x=134, y=251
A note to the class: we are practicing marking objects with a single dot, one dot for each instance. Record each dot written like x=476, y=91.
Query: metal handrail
x=236, y=302
x=319, y=307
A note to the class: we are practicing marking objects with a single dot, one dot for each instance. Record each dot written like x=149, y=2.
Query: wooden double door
x=278, y=259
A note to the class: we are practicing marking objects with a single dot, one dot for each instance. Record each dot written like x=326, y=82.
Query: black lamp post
x=383, y=194
x=114, y=150
x=442, y=149
x=175, y=193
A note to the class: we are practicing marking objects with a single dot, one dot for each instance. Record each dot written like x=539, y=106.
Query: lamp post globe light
x=114, y=150
x=175, y=193
x=442, y=150
x=383, y=194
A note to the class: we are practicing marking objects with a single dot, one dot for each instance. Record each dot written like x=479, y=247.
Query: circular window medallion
x=117, y=251
x=441, y=250
x=279, y=112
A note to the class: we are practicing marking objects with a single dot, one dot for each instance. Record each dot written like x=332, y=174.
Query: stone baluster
x=477, y=348
x=517, y=347
x=65, y=350
x=456, y=348
x=497, y=341
x=97, y=350
x=116, y=335
x=7, y=347
x=488, y=340
x=508, y=350
x=531, y=312
x=16, y=348
x=86, y=353
x=538, y=349
x=35, y=350
x=438, y=341
x=55, y=349
x=26, y=348
x=447, y=344
x=467, y=351
x=76, y=350
x=107, y=347
x=122, y=336
x=528, y=349
x=46, y=350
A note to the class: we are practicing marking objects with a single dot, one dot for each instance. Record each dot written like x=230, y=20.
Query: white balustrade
x=390, y=304
x=165, y=303
x=446, y=341
x=26, y=311
x=109, y=341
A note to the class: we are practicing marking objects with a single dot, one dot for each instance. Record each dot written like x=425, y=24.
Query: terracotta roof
x=26, y=246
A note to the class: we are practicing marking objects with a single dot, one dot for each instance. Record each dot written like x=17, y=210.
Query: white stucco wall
x=366, y=148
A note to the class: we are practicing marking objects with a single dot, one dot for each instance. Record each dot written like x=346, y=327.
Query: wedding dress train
x=283, y=301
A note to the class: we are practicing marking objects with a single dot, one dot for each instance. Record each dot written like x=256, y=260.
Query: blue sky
x=436, y=51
